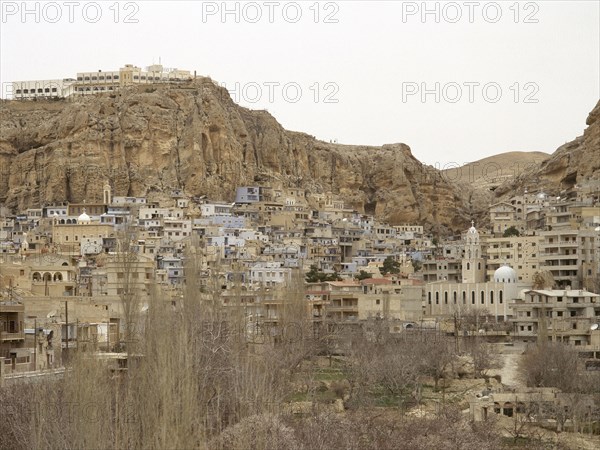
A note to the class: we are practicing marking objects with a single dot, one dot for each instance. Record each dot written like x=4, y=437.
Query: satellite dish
x=482, y=331
x=594, y=327
x=144, y=308
x=51, y=314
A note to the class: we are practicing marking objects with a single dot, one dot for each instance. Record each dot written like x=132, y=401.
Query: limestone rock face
x=148, y=140
x=574, y=163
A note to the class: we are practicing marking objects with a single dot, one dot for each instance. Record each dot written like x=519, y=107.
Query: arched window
x=491, y=297
x=454, y=296
x=500, y=296
x=464, y=297
x=482, y=297
x=58, y=276
x=47, y=276
x=437, y=298
x=479, y=266
x=445, y=297
x=472, y=297
x=468, y=266
x=37, y=276
x=429, y=297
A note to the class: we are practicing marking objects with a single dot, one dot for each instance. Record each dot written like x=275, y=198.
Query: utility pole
x=35, y=345
x=67, y=328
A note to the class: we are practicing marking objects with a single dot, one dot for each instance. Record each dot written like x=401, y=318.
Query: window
x=47, y=90
x=482, y=296
x=500, y=297
x=54, y=90
x=377, y=301
x=472, y=297
x=437, y=298
x=445, y=298
x=559, y=313
x=18, y=91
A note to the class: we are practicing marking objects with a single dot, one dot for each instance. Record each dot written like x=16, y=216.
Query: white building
x=97, y=82
x=444, y=298
x=269, y=274
x=27, y=90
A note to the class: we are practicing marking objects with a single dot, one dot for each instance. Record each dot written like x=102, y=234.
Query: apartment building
x=504, y=215
x=570, y=255
x=521, y=252
x=560, y=315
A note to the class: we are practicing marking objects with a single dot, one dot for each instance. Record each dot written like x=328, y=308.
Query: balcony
x=7, y=336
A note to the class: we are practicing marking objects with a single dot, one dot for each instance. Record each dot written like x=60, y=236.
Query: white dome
x=84, y=218
x=505, y=274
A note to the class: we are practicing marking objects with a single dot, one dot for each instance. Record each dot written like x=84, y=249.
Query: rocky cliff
x=147, y=140
x=574, y=165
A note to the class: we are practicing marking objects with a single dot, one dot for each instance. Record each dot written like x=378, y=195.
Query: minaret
x=473, y=264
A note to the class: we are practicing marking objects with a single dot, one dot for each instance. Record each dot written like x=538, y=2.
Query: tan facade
x=558, y=315
x=569, y=255
x=522, y=253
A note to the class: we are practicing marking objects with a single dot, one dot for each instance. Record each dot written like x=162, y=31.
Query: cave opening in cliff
x=370, y=207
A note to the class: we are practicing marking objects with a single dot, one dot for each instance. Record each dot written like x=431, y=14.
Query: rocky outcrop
x=147, y=140
x=577, y=163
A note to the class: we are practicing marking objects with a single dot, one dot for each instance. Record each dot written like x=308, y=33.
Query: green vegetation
x=315, y=275
x=511, y=231
x=390, y=265
x=362, y=275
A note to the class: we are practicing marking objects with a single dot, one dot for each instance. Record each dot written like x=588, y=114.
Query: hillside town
x=66, y=269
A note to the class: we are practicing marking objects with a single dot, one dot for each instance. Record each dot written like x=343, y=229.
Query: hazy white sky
x=496, y=76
